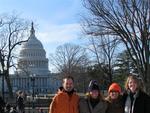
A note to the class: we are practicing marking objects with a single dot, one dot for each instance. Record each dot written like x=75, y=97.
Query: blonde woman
x=94, y=102
x=135, y=99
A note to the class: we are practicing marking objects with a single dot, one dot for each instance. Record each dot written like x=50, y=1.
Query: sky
x=57, y=21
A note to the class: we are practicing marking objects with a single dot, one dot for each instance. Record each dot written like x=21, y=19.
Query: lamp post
x=33, y=84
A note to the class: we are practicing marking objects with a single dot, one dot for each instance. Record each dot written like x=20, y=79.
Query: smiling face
x=132, y=85
x=114, y=95
x=94, y=94
x=68, y=84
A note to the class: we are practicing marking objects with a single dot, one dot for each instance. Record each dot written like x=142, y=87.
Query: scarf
x=130, y=102
x=94, y=102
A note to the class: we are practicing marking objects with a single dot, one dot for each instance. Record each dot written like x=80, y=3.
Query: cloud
x=59, y=33
x=53, y=36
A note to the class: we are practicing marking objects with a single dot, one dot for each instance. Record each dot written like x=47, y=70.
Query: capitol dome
x=33, y=42
x=32, y=57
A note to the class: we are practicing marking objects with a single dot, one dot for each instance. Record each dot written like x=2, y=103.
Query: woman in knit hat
x=94, y=102
x=114, y=99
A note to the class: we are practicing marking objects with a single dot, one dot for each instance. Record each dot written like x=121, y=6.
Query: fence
x=36, y=109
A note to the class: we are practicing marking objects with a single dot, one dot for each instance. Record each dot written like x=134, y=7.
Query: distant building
x=32, y=72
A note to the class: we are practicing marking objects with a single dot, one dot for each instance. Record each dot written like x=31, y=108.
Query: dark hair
x=14, y=107
x=60, y=88
x=68, y=77
x=8, y=106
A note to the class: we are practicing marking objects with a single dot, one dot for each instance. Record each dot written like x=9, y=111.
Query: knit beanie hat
x=93, y=85
x=114, y=87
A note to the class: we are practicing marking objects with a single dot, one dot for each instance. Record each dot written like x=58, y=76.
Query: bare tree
x=13, y=30
x=69, y=59
x=103, y=48
x=128, y=19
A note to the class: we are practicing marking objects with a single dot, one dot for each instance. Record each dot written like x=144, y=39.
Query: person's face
x=114, y=95
x=68, y=84
x=94, y=93
x=132, y=85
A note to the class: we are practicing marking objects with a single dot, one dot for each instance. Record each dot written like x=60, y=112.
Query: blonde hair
x=136, y=79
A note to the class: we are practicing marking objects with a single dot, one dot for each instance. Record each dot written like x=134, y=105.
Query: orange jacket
x=63, y=103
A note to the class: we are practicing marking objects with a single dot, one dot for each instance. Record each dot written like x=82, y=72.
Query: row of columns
x=26, y=83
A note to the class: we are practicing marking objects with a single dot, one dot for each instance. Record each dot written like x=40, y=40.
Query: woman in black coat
x=135, y=99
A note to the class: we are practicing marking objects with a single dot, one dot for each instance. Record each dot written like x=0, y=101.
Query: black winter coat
x=142, y=102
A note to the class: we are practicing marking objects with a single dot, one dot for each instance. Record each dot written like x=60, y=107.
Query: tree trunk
x=9, y=86
x=147, y=82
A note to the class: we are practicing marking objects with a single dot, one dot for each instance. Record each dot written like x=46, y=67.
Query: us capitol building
x=32, y=72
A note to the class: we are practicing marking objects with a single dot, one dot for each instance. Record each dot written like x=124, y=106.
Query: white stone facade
x=33, y=73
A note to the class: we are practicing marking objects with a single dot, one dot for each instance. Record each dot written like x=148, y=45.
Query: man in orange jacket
x=66, y=100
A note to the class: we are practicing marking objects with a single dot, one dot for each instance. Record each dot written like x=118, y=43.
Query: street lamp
x=33, y=84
